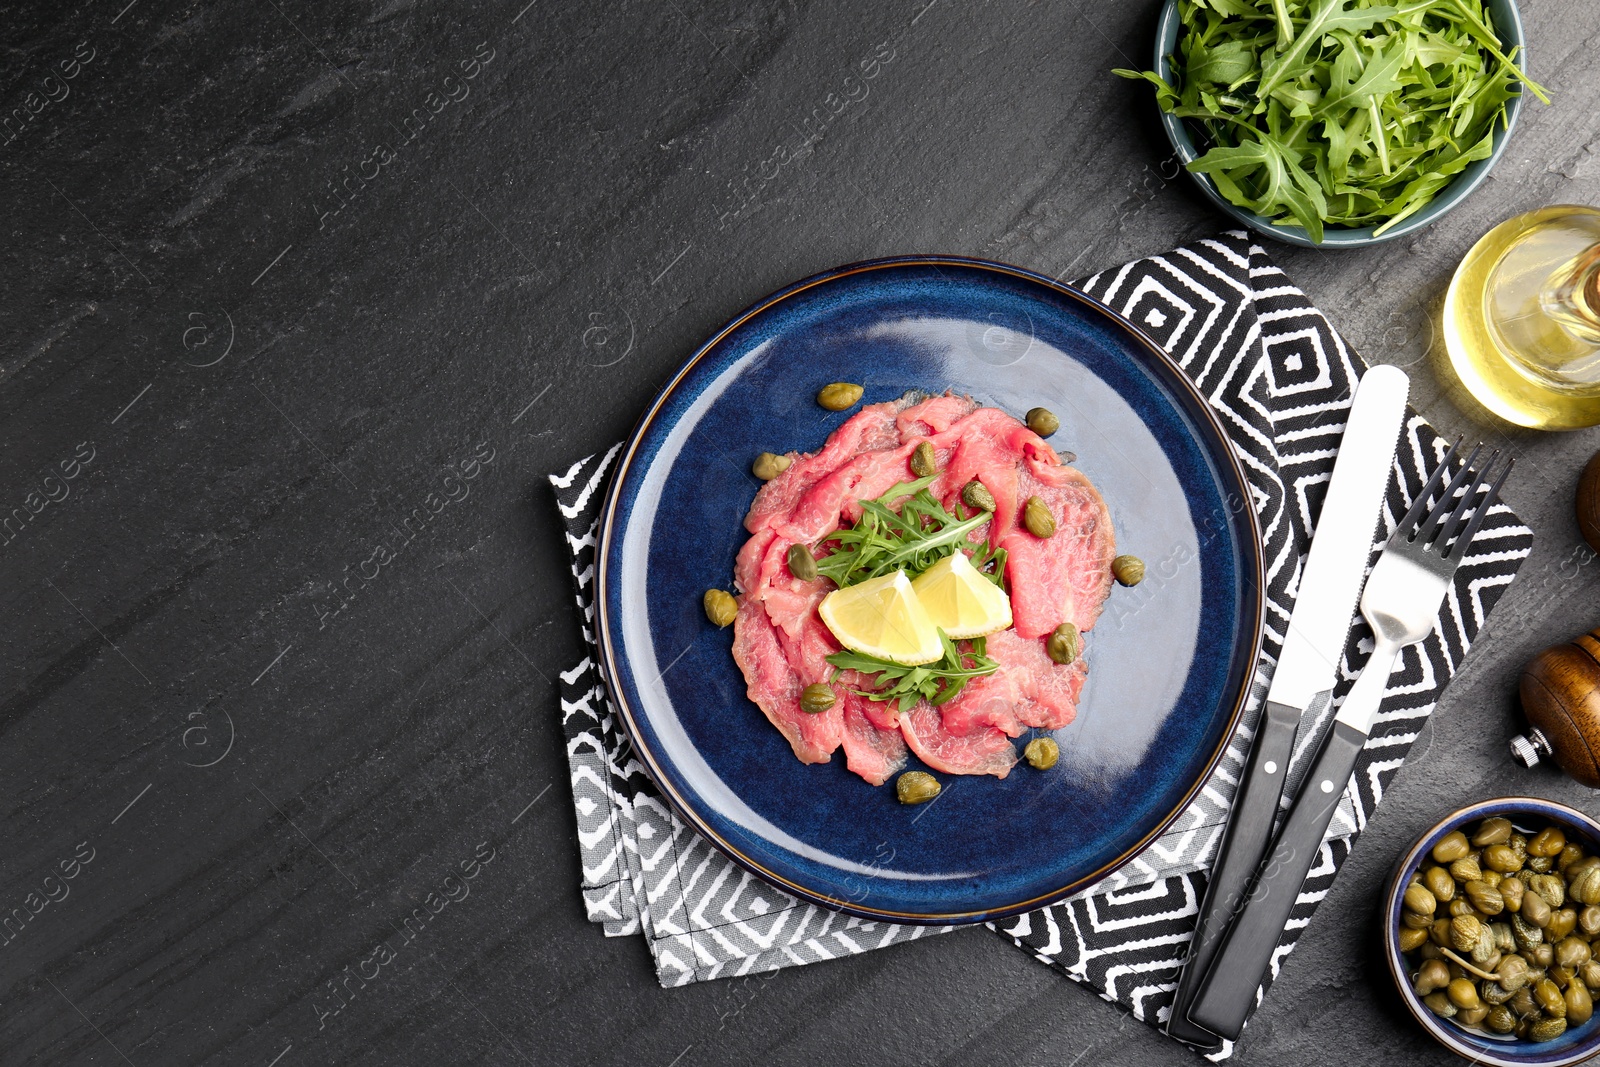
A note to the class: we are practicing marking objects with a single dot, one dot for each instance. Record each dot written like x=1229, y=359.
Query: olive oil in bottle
x=1522, y=319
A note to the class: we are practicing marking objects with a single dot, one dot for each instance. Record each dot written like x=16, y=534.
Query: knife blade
x=1324, y=608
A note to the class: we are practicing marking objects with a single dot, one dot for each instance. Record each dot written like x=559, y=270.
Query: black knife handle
x=1244, y=843
x=1228, y=991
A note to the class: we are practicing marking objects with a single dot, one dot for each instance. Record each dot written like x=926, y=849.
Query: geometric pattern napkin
x=1281, y=379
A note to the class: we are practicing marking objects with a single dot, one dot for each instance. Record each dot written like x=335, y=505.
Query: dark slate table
x=308, y=301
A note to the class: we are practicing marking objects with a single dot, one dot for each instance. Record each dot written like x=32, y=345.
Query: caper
x=1042, y=753
x=1467, y=869
x=916, y=787
x=1589, y=921
x=1561, y=976
x=923, y=462
x=1512, y=973
x=1548, y=996
x=1549, y=886
x=1535, y=910
x=1590, y=973
x=1580, y=1005
x=1584, y=885
x=1412, y=920
x=1518, y=844
x=817, y=698
x=1503, y=940
x=1562, y=922
x=1496, y=831
x=1463, y=994
x=1526, y=933
x=1410, y=939
x=1547, y=842
x=1128, y=570
x=1511, y=890
x=1430, y=951
x=1484, y=953
x=1440, y=884
x=1440, y=1005
x=1547, y=1029
x=1464, y=933
x=1042, y=421
x=976, y=495
x=838, y=396
x=1062, y=644
x=1569, y=855
x=720, y=606
x=1542, y=864
x=1542, y=955
x=1462, y=906
x=1487, y=877
x=1500, y=1020
x=1472, y=1016
x=1037, y=518
x=1451, y=847
x=1486, y=898
x=1430, y=976
x=1523, y=1003
x=1502, y=858
x=1419, y=900
x=1495, y=993
x=802, y=564
x=1440, y=934
x=768, y=466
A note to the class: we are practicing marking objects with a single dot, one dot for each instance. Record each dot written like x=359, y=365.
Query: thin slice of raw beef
x=782, y=645
x=983, y=751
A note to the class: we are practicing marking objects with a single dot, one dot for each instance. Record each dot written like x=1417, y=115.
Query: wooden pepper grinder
x=1561, y=698
x=1589, y=503
x=1561, y=685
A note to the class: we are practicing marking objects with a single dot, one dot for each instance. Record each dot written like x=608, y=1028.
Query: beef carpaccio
x=781, y=644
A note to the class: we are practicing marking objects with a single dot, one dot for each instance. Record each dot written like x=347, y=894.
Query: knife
x=1330, y=583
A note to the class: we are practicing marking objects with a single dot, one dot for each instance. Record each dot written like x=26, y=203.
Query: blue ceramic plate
x=1169, y=662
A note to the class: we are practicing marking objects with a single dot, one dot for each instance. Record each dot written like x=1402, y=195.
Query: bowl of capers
x=1492, y=932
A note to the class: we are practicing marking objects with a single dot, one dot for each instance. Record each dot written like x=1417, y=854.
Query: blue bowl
x=1529, y=815
x=1506, y=20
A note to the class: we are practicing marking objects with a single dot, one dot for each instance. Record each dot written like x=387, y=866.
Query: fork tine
x=1407, y=527
x=1453, y=526
x=1447, y=500
x=1465, y=540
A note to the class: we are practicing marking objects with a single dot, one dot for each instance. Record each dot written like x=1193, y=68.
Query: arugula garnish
x=921, y=534
x=1338, y=112
x=936, y=682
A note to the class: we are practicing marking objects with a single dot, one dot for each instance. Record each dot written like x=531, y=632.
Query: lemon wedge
x=960, y=601
x=882, y=617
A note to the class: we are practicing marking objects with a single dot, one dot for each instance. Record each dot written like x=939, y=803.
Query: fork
x=1400, y=602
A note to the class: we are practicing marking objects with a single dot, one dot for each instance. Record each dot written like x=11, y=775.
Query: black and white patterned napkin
x=1281, y=379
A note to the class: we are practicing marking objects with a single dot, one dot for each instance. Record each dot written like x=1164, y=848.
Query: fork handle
x=1360, y=705
x=1228, y=992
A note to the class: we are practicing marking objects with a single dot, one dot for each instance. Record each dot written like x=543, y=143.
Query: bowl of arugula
x=1338, y=123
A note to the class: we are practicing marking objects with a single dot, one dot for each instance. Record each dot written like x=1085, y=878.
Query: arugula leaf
x=937, y=683
x=1344, y=113
x=882, y=541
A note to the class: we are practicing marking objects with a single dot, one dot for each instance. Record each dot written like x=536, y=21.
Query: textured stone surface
x=282, y=692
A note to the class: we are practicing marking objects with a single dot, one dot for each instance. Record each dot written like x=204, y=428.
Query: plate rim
x=1255, y=564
